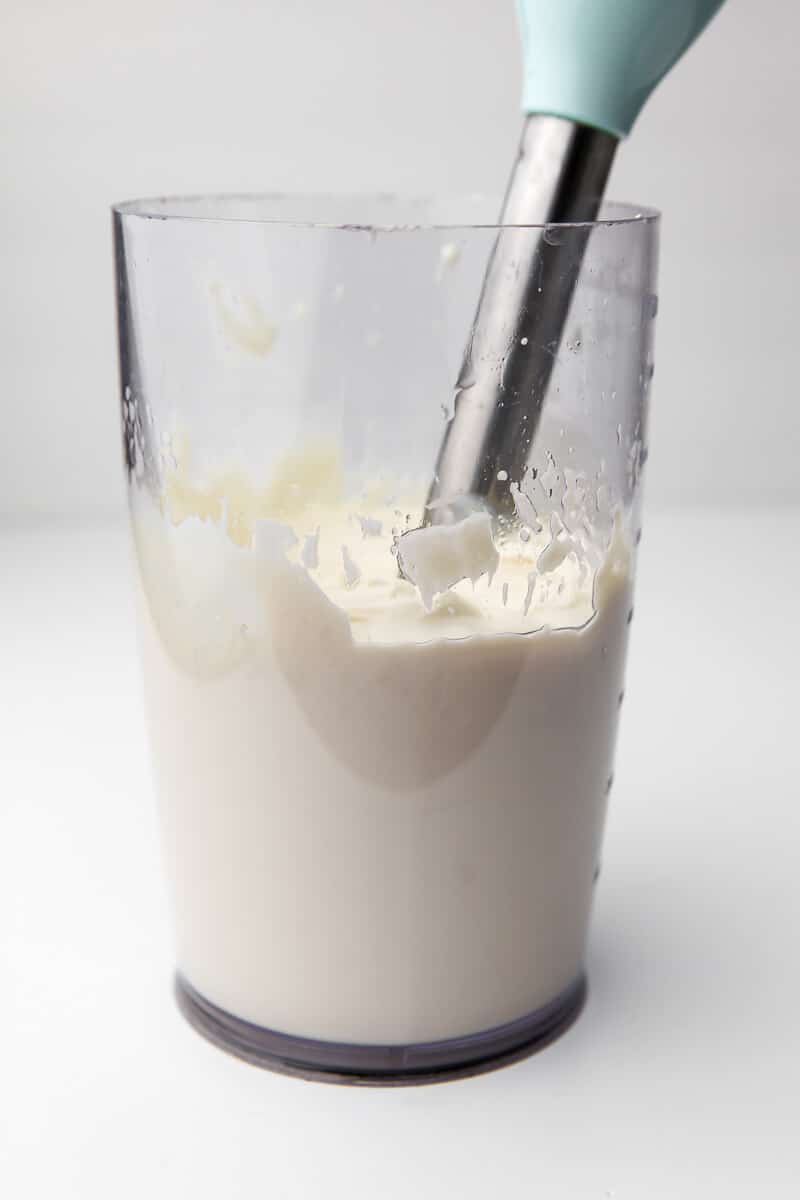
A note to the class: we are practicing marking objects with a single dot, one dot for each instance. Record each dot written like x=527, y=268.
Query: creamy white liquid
x=381, y=823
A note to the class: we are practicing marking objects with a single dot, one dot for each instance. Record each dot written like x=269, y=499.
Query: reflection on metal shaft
x=560, y=176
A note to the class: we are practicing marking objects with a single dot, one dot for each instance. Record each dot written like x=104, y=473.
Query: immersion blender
x=589, y=66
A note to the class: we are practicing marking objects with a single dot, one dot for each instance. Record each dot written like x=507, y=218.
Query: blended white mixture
x=382, y=800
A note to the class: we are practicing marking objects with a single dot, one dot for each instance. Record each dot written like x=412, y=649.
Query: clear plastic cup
x=382, y=748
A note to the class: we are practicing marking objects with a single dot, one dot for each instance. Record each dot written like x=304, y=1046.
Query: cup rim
x=211, y=208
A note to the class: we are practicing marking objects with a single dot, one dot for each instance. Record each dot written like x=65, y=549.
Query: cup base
x=380, y=1066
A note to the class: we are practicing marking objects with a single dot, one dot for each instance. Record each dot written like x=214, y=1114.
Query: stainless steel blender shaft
x=560, y=175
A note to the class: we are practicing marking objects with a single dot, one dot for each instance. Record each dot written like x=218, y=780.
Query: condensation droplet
x=352, y=573
x=370, y=526
x=309, y=555
x=526, y=603
x=449, y=254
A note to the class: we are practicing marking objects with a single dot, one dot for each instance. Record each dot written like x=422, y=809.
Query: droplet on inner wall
x=649, y=306
x=370, y=526
x=352, y=572
x=526, y=603
x=309, y=555
x=449, y=254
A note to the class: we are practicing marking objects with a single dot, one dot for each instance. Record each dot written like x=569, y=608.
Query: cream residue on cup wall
x=410, y=794
x=351, y=549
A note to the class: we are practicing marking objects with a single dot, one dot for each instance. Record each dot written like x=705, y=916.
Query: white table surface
x=682, y=1077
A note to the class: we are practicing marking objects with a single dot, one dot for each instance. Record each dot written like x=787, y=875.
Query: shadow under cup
x=383, y=750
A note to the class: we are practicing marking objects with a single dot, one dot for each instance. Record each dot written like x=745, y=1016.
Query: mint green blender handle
x=597, y=61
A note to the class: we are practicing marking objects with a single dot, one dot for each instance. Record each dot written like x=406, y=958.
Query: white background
x=681, y=1078
x=101, y=100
